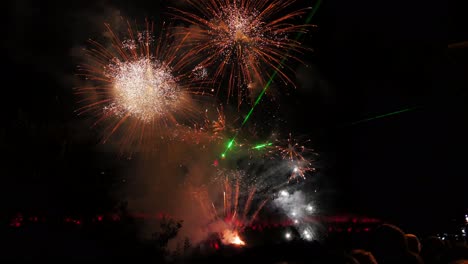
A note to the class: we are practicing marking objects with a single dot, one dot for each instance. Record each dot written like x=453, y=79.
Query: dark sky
x=369, y=58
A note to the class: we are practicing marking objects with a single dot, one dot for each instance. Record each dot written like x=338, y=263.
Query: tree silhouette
x=168, y=230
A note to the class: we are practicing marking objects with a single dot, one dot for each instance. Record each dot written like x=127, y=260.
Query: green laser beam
x=382, y=116
x=270, y=81
x=264, y=145
x=311, y=14
x=260, y=96
x=229, y=145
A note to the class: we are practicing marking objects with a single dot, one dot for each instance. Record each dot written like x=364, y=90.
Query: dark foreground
x=119, y=239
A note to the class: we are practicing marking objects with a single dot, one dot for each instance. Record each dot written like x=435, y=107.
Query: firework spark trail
x=228, y=194
x=242, y=39
x=236, y=199
x=234, y=218
x=248, y=203
x=254, y=215
x=137, y=81
x=272, y=77
x=203, y=199
x=201, y=203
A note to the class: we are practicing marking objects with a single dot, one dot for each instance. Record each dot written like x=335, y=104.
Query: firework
x=219, y=125
x=300, y=169
x=137, y=80
x=239, y=208
x=208, y=131
x=234, y=213
x=242, y=40
x=296, y=154
x=231, y=237
x=298, y=210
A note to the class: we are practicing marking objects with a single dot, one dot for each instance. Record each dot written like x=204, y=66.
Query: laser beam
x=383, y=115
x=261, y=146
x=270, y=81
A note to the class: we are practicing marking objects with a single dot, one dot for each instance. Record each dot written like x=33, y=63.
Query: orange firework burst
x=241, y=39
x=209, y=131
x=291, y=149
x=138, y=82
x=296, y=153
x=219, y=125
x=216, y=128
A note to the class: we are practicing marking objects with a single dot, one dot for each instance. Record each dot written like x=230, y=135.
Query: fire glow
x=232, y=238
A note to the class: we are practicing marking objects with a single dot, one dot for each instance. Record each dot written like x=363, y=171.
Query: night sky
x=369, y=59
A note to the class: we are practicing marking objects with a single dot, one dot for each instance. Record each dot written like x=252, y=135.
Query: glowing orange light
x=232, y=238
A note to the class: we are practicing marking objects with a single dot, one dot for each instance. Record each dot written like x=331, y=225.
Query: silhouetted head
x=340, y=257
x=390, y=240
x=432, y=249
x=413, y=243
x=462, y=261
x=364, y=257
x=433, y=245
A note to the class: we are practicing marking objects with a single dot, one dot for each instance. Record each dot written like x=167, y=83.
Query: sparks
x=144, y=88
x=137, y=81
x=279, y=66
x=300, y=169
x=239, y=207
x=232, y=238
x=296, y=154
x=307, y=235
x=290, y=149
x=242, y=40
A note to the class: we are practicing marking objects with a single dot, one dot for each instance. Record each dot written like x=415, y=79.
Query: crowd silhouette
x=119, y=239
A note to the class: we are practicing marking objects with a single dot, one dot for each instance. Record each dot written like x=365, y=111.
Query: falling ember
x=232, y=238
